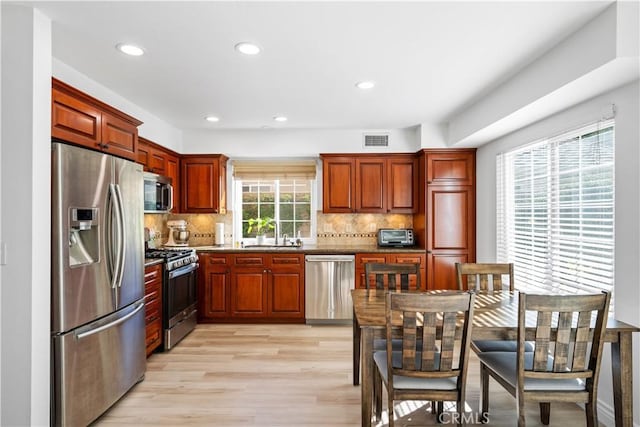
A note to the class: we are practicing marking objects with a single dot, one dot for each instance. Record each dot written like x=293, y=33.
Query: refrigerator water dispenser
x=84, y=234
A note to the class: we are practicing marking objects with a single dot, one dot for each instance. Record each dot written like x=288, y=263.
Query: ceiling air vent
x=376, y=140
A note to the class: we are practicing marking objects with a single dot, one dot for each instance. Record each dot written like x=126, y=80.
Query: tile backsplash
x=332, y=229
x=357, y=229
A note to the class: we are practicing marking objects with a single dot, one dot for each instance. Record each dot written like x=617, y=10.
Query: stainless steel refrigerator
x=97, y=298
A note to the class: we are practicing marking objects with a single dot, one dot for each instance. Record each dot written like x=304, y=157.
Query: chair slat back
x=392, y=276
x=484, y=277
x=564, y=323
x=427, y=319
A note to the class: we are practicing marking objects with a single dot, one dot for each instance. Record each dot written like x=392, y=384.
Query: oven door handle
x=183, y=270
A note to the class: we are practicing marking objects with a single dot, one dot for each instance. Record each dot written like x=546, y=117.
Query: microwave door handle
x=170, y=197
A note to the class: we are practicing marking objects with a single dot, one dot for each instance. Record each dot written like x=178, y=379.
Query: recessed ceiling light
x=248, y=48
x=212, y=119
x=365, y=85
x=280, y=118
x=130, y=49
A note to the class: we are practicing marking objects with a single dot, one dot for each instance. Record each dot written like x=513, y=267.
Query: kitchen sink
x=271, y=247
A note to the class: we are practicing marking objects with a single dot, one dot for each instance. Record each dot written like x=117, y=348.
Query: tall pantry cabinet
x=445, y=224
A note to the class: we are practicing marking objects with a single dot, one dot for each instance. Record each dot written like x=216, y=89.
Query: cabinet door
x=286, y=292
x=412, y=258
x=157, y=162
x=199, y=185
x=213, y=298
x=441, y=270
x=450, y=232
x=75, y=121
x=371, y=185
x=249, y=290
x=144, y=153
x=173, y=172
x=361, y=259
x=402, y=185
x=119, y=137
x=456, y=168
x=338, y=182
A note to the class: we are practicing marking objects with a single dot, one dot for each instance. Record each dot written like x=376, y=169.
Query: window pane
x=555, y=212
x=287, y=201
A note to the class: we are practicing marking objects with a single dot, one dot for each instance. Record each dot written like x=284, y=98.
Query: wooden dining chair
x=393, y=276
x=560, y=369
x=488, y=278
x=382, y=276
x=417, y=370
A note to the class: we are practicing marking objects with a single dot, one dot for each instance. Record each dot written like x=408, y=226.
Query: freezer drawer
x=96, y=364
x=328, y=282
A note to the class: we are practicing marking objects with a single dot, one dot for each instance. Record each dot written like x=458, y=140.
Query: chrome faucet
x=284, y=239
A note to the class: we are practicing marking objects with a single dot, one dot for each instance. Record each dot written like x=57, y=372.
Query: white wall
x=25, y=221
x=291, y=142
x=627, y=208
x=152, y=128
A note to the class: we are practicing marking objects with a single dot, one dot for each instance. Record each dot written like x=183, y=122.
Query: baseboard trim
x=606, y=414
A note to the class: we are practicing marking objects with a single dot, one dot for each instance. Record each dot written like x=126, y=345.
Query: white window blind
x=555, y=211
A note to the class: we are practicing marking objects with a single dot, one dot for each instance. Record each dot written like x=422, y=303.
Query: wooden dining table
x=495, y=318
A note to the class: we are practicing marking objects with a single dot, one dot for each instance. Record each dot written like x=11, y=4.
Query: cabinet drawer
x=253, y=260
x=152, y=310
x=286, y=260
x=408, y=259
x=153, y=336
x=153, y=273
x=215, y=260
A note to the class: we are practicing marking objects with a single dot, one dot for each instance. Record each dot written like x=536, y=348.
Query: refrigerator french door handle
x=123, y=232
x=110, y=324
x=111, y=255
x=117, y=267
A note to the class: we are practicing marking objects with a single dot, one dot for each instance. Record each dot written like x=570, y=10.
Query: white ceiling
x=429, y=59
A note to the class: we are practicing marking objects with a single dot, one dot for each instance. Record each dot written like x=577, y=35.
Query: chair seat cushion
x=504, y=364
x=403, y=382
x=500, y=345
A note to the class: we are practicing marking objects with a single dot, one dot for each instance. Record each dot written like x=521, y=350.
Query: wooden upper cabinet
x=172, y=170
x=80, y=119
x=75, y=121
x=371, y=192
x=338, y=183
x=369, y=184
x=202, y=183
x=158, y=159
x=402, y=184
x=455, y=168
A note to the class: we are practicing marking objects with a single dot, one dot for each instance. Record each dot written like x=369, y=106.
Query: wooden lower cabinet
x=414, y=258
x=153, y=306
x=286, y=287
x=213, y=287
x=255, y=287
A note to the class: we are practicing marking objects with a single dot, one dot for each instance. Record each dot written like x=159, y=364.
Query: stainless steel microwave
x=158, y=193
x=395, y=237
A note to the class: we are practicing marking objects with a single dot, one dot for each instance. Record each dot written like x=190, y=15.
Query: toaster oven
x=395, y=237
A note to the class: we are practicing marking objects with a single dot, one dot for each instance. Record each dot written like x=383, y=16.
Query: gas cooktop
x=168, y=254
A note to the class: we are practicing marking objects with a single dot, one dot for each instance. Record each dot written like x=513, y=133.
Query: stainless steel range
x=179, y=293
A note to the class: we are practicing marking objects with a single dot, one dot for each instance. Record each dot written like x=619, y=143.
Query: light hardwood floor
x=279, y=375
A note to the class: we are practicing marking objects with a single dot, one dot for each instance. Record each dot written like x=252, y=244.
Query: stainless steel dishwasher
x=328, y=282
